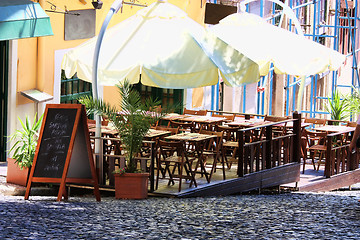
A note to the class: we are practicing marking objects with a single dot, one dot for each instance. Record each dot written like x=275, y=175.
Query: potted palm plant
x=338, y=107
x=133, y=120
x=23, y=148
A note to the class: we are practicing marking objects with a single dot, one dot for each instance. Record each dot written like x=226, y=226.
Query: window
x=166, y=96
x=73, y=88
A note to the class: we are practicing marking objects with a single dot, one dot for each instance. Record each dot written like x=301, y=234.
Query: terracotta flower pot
x=131, y=185
x=16, y=175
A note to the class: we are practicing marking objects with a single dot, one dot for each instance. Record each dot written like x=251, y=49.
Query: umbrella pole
x=301, y=94
x=113, y=9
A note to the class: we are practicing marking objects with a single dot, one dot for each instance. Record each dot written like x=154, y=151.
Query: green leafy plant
x=337, y=107
x=25, y=143
x=353, y=101
x=133, y=120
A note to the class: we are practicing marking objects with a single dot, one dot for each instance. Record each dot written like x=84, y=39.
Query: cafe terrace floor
x=310, y=181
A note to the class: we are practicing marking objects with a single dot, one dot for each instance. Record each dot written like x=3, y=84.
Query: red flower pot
x=131, y=185
x=16, y=175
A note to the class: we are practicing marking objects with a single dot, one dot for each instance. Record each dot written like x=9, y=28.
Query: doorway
x=4, y=63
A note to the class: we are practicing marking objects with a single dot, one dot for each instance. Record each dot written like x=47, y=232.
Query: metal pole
x=117, y=4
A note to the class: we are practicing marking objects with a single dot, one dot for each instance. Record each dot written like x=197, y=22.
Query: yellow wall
x=26, y=74
x=42, y=50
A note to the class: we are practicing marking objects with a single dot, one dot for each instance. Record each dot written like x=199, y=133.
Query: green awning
x=23, y=19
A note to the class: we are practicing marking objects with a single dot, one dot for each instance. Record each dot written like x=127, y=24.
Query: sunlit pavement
x=333, y=215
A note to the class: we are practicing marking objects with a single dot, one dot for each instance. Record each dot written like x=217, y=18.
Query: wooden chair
x=238, y=116
x=213, y=149
x=228, y=117
x=315, y=121
x=183, y=126
x=277, y=130
x=109, y=145
x=156, y=109
x=230, y=144
x=274, y=118
x=175, y=164
x=145, y=150
x=348, y=136
x=315, y=142
x=195, y=112
x=351, y=124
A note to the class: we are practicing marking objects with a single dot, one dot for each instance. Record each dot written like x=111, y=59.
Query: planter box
x=16, y=175
x=131, y=185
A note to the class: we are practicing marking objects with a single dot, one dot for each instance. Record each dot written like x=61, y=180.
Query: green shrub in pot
x=24, y=142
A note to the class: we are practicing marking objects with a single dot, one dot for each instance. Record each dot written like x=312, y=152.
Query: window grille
x=73, y=88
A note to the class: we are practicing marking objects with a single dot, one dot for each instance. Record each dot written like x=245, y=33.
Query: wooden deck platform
x=288, y=176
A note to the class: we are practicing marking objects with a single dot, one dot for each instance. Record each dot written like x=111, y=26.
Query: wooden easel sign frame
x=63, y=153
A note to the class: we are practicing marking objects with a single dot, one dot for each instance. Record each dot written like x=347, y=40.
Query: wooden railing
x=268, y=150
x=338, y=157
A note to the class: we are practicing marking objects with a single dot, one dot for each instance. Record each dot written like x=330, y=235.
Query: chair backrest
x=215, y=143
x=277, y=130
x=351, y=124
x=315, y=137
x=227, y=116
x=168, y=148
x=185, y=126
x=170, y=129
x=274, y=118
x=316, y=121
x=157, y=109
x=238, y=116
x=195, y=112
x=230, y=133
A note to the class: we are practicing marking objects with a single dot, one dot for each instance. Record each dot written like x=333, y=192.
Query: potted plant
x=23, y=148
x=338, y=107
x=133, y=120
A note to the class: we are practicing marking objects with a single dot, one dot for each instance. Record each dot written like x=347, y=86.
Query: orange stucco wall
x=36, y=55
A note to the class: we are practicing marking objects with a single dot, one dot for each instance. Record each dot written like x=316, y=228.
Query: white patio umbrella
x=167, y=48
x=265, y=43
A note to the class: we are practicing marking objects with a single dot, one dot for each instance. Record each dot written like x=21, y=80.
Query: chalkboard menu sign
x=63, y=152
x=55, y=142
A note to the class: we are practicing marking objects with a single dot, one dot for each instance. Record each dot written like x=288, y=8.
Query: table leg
x=199, y=151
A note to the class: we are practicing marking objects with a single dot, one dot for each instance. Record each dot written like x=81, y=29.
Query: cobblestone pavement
x=334, y=215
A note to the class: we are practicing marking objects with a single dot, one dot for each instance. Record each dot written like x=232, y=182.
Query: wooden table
x=153, y=133
x=199, y=140
x=334, y=128
x=247, y=123
x=111, y=148
x=106, y=130
x=206, y=121
x=291, y=125
x=174, y=116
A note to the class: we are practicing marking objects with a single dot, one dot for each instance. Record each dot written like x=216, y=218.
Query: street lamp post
x=117, y=4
